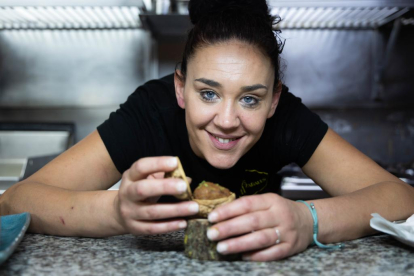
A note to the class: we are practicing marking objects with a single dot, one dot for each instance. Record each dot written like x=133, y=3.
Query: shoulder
x=291, y=107
x=288, y=100
x=141, y=125
x=161, y=89
x=165, y=83
x=294, y=129
x=153, y=96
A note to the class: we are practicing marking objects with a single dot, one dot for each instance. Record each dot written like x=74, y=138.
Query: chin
x=222, y=163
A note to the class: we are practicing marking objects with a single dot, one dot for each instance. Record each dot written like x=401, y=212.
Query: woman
x=229, y=119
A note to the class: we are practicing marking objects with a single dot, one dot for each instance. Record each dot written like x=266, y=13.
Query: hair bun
x=200, y=8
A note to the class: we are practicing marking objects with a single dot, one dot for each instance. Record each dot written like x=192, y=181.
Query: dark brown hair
x=217, y=21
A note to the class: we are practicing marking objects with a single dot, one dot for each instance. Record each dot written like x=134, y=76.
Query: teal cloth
x=13, y=228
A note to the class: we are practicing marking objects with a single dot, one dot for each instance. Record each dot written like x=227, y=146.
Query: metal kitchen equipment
x=352, y=14
x=70, y=60
x=20, y=140
x=297, y=14
x=296, y=185
x=92, y=14
x=23, y=145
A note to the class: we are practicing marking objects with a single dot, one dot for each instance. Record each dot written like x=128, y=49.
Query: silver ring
x=278, y=235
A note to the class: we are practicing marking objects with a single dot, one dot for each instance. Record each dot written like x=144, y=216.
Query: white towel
x=404, y=232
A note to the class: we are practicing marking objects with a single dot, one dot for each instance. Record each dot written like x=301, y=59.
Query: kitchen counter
x=164, y=255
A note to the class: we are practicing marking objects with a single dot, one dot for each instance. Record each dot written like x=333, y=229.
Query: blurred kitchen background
x=66, y=64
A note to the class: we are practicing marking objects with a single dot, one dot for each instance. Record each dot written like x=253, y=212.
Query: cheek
x=199, y=114
x=254, y=124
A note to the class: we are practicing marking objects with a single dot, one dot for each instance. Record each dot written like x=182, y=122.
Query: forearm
x=347, y=217
x=57, y=211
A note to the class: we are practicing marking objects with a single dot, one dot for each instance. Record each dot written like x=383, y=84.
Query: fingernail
x=193, y=207
x=182, y=224
x=212, y=217
x=181, y=186
x=212, y=233
x=172, y=162
x=221, y=247
x=246, y=258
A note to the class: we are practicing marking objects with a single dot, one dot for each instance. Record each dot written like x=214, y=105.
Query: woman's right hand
x=137, y=213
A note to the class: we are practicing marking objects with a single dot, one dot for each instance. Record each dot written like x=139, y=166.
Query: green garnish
x=202, y=182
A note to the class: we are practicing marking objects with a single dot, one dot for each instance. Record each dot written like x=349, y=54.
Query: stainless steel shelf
x=336, y=17
x=295, y=14
x=125, y=14
x=77, y=3
x=341, y=3
x=69, y=17
x=338, y=14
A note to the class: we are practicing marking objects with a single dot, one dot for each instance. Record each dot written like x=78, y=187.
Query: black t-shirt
x=150, y=123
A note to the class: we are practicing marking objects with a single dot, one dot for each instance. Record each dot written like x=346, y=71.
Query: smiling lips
x=224, y=143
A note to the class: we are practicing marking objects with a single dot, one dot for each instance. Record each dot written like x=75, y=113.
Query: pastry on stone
x=208, y=195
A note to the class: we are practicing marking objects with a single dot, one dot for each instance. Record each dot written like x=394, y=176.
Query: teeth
x=224, y=141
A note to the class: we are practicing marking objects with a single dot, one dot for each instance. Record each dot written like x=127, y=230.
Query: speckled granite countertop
x=164, y=255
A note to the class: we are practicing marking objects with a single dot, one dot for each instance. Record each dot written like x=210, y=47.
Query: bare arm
x=66, y=198
x=63, y=196
x=360, y=187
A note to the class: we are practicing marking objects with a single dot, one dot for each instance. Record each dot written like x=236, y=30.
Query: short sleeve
x=136, y=129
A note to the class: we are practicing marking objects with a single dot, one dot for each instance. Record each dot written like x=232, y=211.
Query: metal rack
x=169, y=18
x=125, y=14
x=75, y=14
x=336, y=17
x=338, y=14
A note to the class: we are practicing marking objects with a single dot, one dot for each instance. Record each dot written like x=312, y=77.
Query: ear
x=275, y=99
x=179, y=88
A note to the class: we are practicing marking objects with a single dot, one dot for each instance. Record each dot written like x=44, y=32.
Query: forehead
x=231, y=61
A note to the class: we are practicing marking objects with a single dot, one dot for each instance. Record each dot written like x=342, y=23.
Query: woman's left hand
x=264, y=227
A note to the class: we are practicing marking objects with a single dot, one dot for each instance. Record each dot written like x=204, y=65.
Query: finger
x=239, y=207
x=143, y=189
x=165, y=211
x=275, y=252
x=157, y=175
x=144, y=167
x=156, y=227
x=153, y=199
x=253, y=241
x=241, y=225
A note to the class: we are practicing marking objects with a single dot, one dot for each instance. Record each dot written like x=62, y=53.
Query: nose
x=227, y=116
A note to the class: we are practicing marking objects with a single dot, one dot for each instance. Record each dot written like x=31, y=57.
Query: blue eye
x=208, y=96
x=250, y=101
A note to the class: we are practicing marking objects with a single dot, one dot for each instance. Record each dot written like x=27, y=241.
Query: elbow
x=399, y=184
x=9, y=199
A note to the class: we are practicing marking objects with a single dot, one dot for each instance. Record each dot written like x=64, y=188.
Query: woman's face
x=227, y=97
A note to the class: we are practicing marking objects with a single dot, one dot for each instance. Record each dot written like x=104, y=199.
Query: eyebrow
x=209, y=82
x=215, y=84
x=253, y=87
